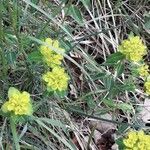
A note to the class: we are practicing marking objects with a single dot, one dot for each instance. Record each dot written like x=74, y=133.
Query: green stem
x=14, y=133
x=2, y=58
x=95, y=117
x=1, y=22
x=14, y=18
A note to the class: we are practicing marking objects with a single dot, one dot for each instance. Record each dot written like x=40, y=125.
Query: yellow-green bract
x=137, y=140
x=143, y=70
x=19, y=102
x=56, y=79
x=50, y=57
x=147, y=87
x=133, y=49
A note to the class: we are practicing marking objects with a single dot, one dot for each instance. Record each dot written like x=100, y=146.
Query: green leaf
x=120, y=68
x=35, y=1
x=35, y=56
x=147, y=24
x=90, y=102
x=134, y=70
x=60, y=94
x=53, y=122
x=114, y=58
x=64, y=1
x=49, y=90
x=125, y=107
x=11, y=58
x=66, y=45
x=126, y=87
x=75, y=13
x=108, y=82
x=120, y=144
x=109, y=103
x=122, y=128
x=74, y=108
x=86, y=3
x=147, y=21
x=98, y=76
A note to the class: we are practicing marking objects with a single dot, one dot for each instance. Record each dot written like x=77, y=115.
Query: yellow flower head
x=51, y=58
x=137, y=141
x=56, y=79
x=144, y=70
x=131, y=140
x=133, y=48
x=147, y=87
x=18, y=103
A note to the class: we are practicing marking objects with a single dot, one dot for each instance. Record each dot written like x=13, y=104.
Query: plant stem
x=14, y=133
x=95, y=117
x=14, y=18
x=1, y=22
x=3, y=63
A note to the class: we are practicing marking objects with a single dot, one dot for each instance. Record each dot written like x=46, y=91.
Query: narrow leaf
x=75, y=13
x=35, y=56
x=114, y=58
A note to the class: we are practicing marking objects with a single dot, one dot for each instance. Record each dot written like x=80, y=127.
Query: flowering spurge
x=137, y=140
x=18, y=103
x=133, y=48
x=50, y=57
x=147, y=86
x=56, y=79
x=143, y=70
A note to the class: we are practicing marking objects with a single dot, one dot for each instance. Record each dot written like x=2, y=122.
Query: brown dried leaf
x=145, y=113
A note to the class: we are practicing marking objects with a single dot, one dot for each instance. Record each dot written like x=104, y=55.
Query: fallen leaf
x=104, y=133
x=103, y=126
x=145, y=113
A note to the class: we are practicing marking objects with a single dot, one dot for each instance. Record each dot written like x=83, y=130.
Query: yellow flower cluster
x=133, y=49
x=137, y=141
x=147, y=87
x=51, y=58
x=143, y=70
x=56, y=79
x=18, y=103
